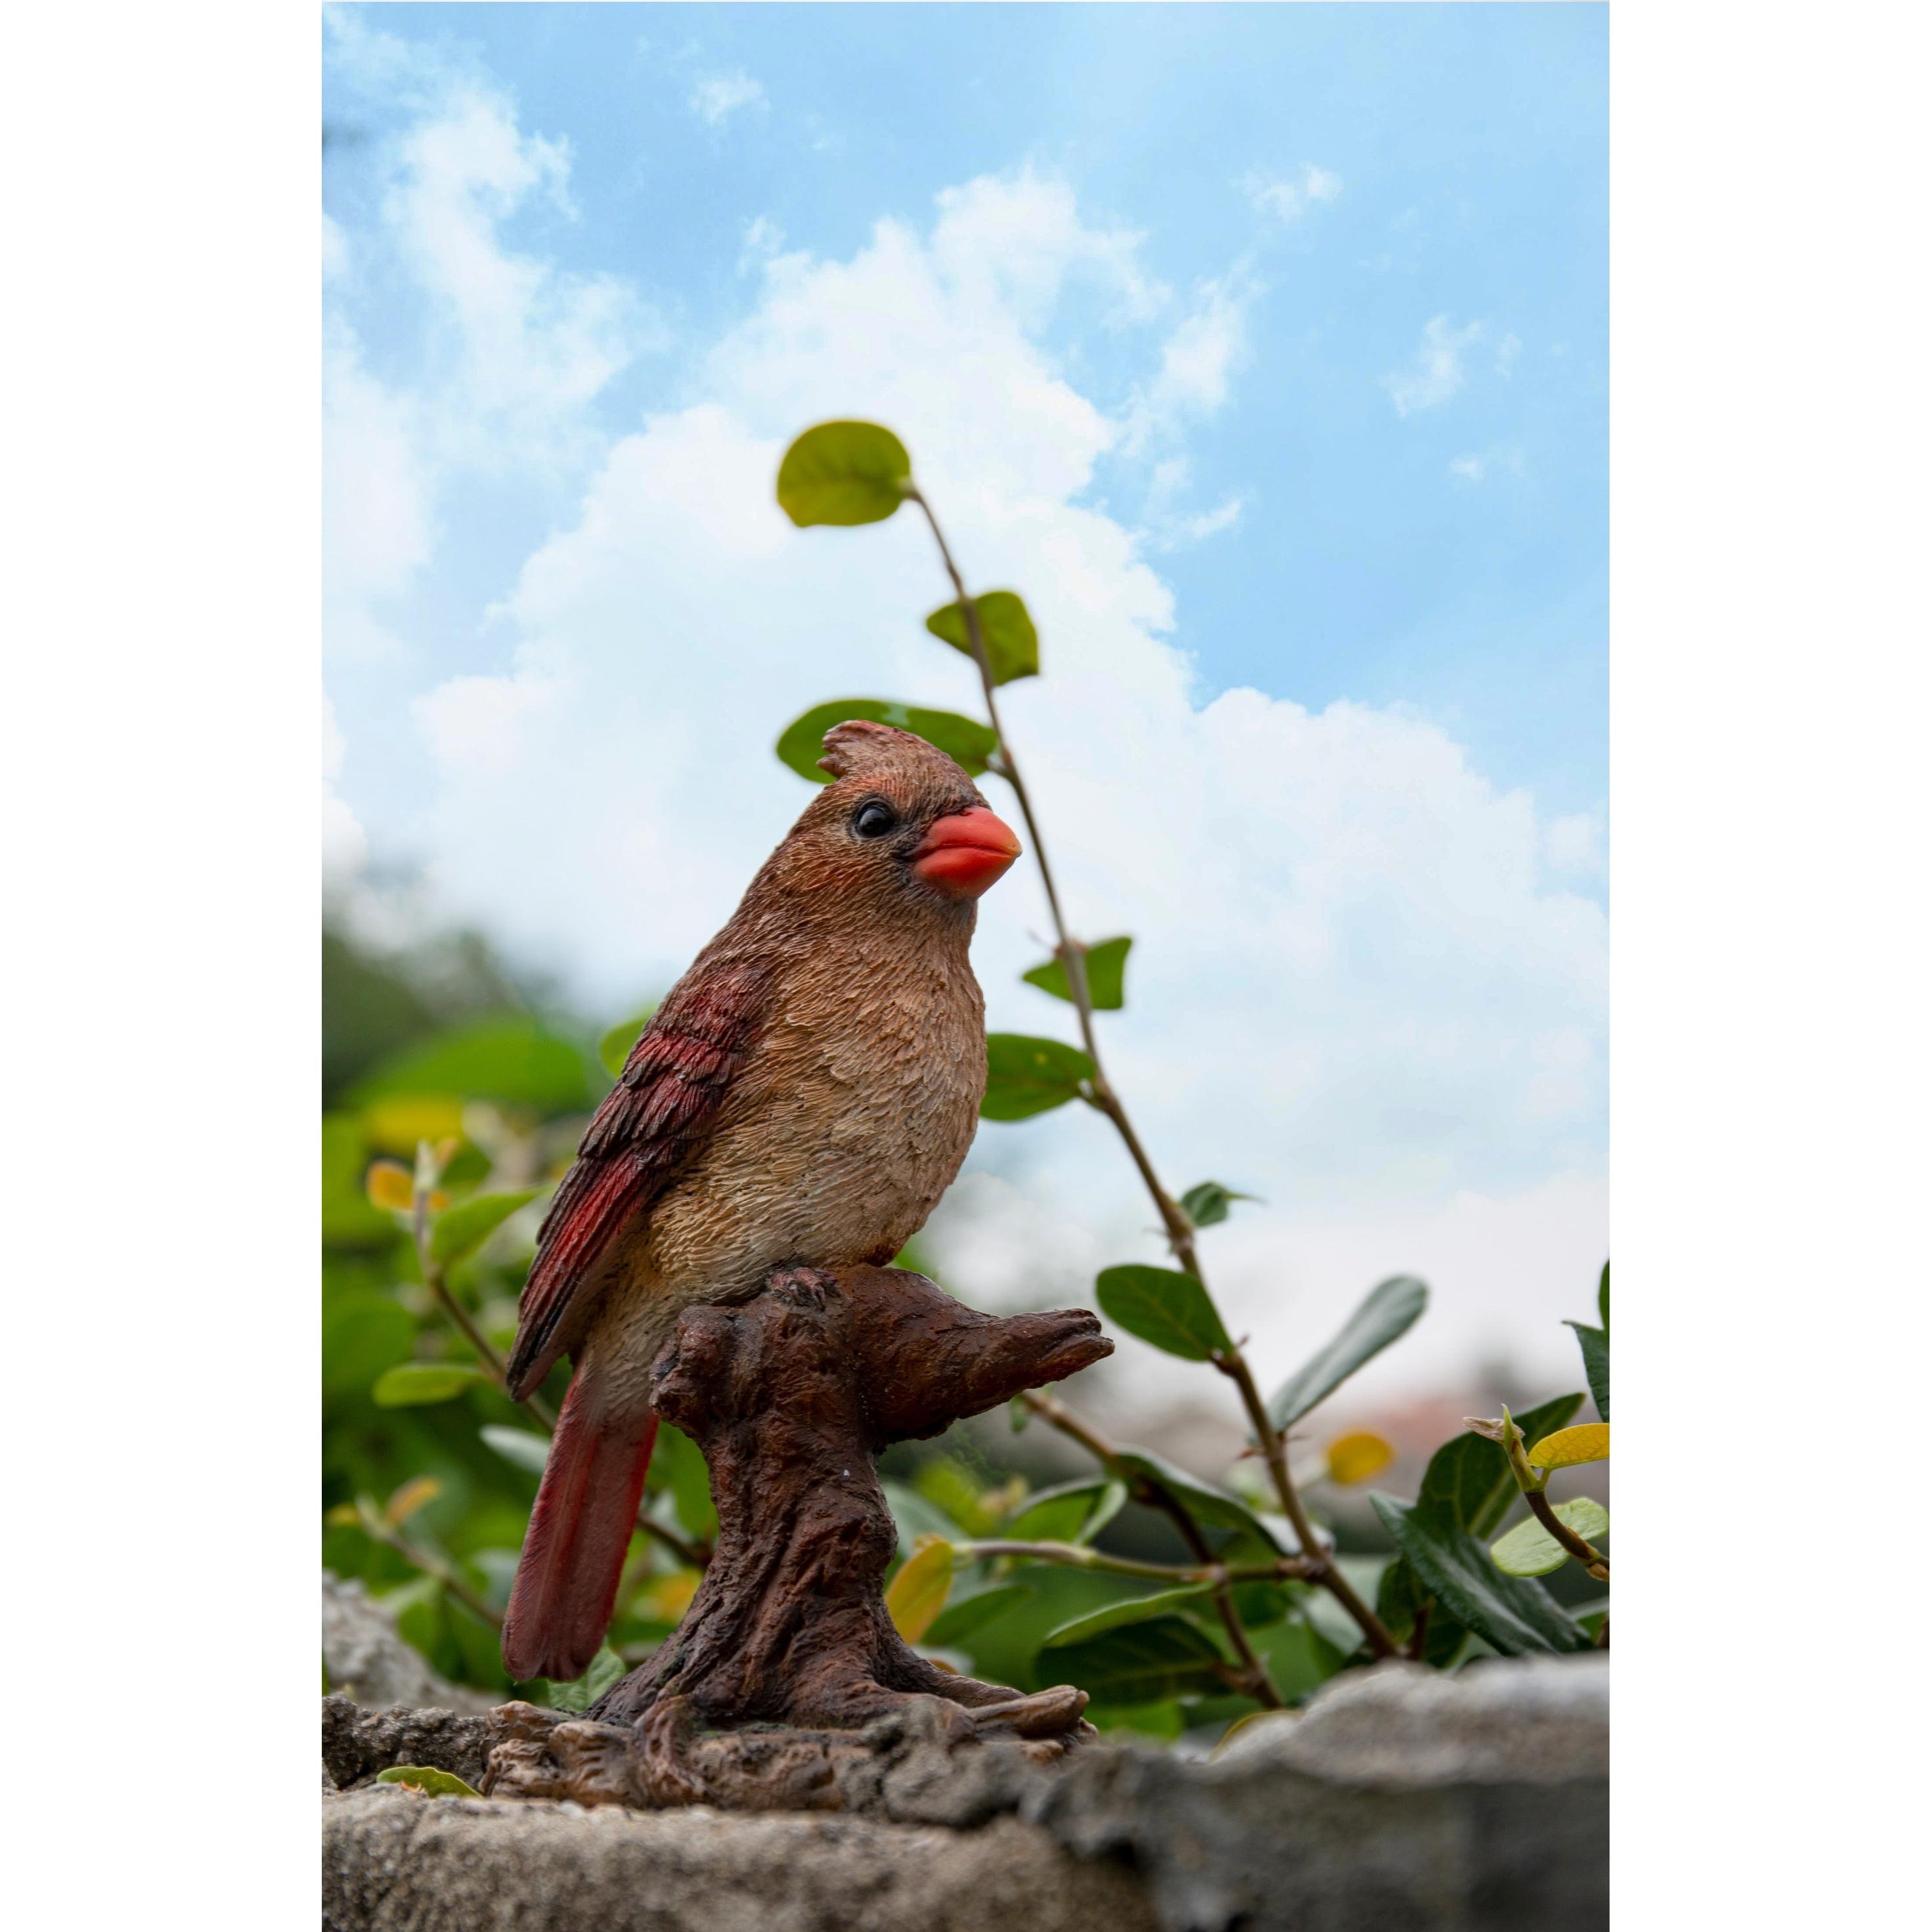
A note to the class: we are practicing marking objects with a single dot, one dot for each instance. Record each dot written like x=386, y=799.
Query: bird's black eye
x=873, y=819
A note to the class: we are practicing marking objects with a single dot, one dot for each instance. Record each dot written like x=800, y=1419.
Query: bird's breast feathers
x=849, y=1121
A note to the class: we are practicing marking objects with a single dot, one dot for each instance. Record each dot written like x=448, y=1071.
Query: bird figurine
x=806, y=1093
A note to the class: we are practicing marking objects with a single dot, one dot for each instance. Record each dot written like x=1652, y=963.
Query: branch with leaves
x=849, y=473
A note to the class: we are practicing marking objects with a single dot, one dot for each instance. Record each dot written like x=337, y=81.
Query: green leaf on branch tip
x=1206, y=1204
x=1168, y=1657
x=844, y=473
x=1388, y=1313
x=1530, y=1550
x=1026, y=1075
x=1587, y=1442
x=1603, y=1297
x=1163, y=1307
x=1514, y=1615
x=580, y=1693
x=969, y=1614
x=1106, y=976
x=416, y=1385
x=1468, y=1485
x=613, y=1050
x=1006, y=629
x=1118, y=1616
x=425, y=1778
x=461, y=1230
x=527, y=1451
x=967, y=743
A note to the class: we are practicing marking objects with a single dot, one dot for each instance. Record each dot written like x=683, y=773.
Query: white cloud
x=1436, y=373
x=1288, y=200
x=1198, y=361
x=716, y=97
x=763, y=239
x=1574, y=845
x=1223, y=516
x=1470, y=468
x=511, y=354
x=1356, y=989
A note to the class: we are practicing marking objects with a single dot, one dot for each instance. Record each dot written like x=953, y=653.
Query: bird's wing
x=651, y=1122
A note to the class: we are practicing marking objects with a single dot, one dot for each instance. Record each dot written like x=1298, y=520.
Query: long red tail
x=573, y=1555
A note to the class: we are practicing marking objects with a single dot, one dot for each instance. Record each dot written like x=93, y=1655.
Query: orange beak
x=964, y=854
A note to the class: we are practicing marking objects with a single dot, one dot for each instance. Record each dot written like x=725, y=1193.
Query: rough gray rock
x=1403, y=1798
x=394, y=1862
x=358, y=1744
x=368, y=1660
x=1401, y=1801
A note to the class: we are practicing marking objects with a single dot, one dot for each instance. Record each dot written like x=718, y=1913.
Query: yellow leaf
x=410, y=1498
x=1587, y=1442
x=344, y=1516
x=1355, y=1457
x=398, y=1123
x=920, y=1589
x=391, y=1185
x=665, y=1599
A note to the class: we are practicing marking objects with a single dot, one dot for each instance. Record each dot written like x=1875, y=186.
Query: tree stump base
x=786, y=1681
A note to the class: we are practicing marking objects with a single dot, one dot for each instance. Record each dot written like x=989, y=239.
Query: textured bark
x=790, y=1396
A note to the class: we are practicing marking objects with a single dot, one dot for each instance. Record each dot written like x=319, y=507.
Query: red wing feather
x=660, y=1111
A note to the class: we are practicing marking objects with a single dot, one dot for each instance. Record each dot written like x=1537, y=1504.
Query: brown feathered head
x=901, y=826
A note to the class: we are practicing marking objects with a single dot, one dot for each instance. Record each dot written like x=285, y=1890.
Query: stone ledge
x=1402, y=1801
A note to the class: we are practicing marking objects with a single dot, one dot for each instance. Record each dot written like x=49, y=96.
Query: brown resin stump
x=786, y=1674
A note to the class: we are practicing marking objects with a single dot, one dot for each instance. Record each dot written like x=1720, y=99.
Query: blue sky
x=1263, y=347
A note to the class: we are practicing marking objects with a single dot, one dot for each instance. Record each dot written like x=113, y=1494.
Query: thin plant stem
x=1234, y=1364
x=1174, y=1219
x=1083, y=1556
x=430, y=1566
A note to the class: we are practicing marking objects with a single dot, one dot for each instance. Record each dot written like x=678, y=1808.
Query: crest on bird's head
x=860, y=747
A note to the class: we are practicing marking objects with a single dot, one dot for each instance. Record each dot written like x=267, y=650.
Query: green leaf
x=685, y=1474
x=1215, y=1509
x=1118, y=1615
x=1530, y=1550
x=1400, y=1595
x=510, y=1059
x=427, y=1779
x=962, y=1619
x=1468, y=1485
x=1603, y=1301
x=1026, y=1076
x=415, y=1385
x=1567, y=1448
x=1595, y=1344
x=1390, y=1311
x=1167, y=1658
x=606, y=1668
x=1057, y=1515
x=1165, y=1307
x=918, y=1593
x=1106, y=976
x=915, y=1518
x=614, y=1049
x=1300, y=1658
x=527, y=1450
x=1006, y=629
x=362, y=1334
x=964, y=740
x=1206, y=1203
x=1515, y=1616
x=463, y=1229
x=844, y=473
